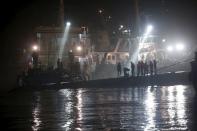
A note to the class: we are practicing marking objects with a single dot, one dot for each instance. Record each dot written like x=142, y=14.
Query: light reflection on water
x=150, y=107
x=176, y=107
x=137, y=108
x=36, y=115
x=67, y=95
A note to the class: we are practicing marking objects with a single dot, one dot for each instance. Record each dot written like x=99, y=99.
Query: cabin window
x=109, y=57
x=113, y=57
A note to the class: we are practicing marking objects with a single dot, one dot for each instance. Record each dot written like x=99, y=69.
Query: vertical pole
x=137, y=19
x=137, y=37
x=48, y=53
x=61, y=15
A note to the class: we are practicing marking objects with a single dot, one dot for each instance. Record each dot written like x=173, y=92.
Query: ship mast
x=137, y=18
x=61, y=14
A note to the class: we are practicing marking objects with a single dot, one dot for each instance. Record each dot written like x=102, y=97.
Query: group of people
x=143, y=68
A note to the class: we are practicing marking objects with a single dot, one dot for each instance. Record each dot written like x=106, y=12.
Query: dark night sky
x=44, y=12
x=18, y=19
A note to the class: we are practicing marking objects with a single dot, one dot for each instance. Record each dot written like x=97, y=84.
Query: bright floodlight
x=68, y=23
x=121, y=27
x=100, y=11
x=79, y=48
x=35, y=48
x=149, y=29
x=179, y=47
x=164, y=40
x=170, y=48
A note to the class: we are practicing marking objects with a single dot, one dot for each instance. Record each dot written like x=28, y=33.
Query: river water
x=104, y=109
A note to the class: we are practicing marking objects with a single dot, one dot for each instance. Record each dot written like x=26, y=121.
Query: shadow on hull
x=167, y=79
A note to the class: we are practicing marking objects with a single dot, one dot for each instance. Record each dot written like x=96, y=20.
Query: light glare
x=35, y=48
x=149, y=29
x=121, y=27
x=79, y=48
x=179, y=47
x=68, y=23
x=170, y=48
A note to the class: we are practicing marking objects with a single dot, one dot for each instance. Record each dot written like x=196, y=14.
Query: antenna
x=61, y=15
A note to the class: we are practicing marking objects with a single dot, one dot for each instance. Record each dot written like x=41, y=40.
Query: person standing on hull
x=142, y=67
x=35, y=59
x=151, y=68
x=86, y=72
x=132, y=69
x=146, y=68
x=58, y=63
x=138, y=68
x=155, y=66
x=119, y=69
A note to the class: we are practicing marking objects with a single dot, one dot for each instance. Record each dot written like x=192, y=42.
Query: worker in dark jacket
x=119, y=69
x=132, y=69
x=155, y=66
x=151, y=68
x=145, y=68
x=138, y=68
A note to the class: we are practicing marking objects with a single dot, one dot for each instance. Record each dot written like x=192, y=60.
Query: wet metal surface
x=139, y=108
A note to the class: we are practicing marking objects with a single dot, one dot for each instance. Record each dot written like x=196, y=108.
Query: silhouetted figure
x=126, y=72
x=138, y=68
x=35, y=59
x=86, y=71
x=58, y=63
x=30, y=66
x=119, y=69
x=132, y=69
x=145, y=68
x=61, y=65
x=151, y=68
x=142, y=68
x=155, y=66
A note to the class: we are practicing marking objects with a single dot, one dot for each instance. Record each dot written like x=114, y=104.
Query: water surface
x=136, y=108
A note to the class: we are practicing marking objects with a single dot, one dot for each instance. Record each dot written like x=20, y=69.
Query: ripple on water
x=139, y=108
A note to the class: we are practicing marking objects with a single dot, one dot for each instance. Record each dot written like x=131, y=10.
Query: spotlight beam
x=64, y=40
